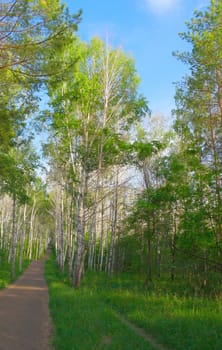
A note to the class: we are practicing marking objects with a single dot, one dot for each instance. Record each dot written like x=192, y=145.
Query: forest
x=121, y=199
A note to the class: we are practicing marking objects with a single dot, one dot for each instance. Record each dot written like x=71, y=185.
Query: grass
x=87, y=318
x=83, y=321
x=5, y=272
x=179, y=323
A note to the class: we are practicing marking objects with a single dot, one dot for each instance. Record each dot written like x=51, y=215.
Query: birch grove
x=23, y=234
x=114, y=196
x=91, y=126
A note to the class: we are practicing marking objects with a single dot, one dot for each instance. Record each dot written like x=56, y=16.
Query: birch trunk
x=14, y=238
x=80, y=217
x=31, y=231
x=22, y=238
x=114, y=208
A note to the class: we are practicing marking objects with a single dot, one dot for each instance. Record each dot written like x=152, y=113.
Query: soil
x=25, y=322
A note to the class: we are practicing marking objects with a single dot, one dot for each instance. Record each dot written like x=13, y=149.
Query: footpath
x=25, y=322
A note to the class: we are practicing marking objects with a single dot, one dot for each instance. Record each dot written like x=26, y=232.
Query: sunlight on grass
x=82, y=320
x=86, y=318
x=180, y=323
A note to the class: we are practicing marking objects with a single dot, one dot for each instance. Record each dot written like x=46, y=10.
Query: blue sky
x=147, y=30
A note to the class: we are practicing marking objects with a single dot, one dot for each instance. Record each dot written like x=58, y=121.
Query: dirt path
x=24, y=316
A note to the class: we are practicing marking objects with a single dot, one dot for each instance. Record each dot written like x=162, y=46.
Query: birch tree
x=198, y=123
x=94, y=111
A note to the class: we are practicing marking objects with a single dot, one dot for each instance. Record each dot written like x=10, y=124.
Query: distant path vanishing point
x=25, y=322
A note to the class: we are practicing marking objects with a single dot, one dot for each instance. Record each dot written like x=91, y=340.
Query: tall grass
x=87, y=318
x=83, y=321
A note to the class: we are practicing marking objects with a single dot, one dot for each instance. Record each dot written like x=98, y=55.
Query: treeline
x=119, y=196
x=178, y=216
x=30, y=32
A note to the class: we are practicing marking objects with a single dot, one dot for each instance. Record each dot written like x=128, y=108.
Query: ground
x=25, y=322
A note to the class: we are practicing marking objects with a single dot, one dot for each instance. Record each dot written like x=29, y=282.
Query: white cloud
x=161, y=6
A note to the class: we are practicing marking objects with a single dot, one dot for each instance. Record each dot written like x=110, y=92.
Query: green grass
x=85, y=319
x=179, y=323
x=5, y=272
